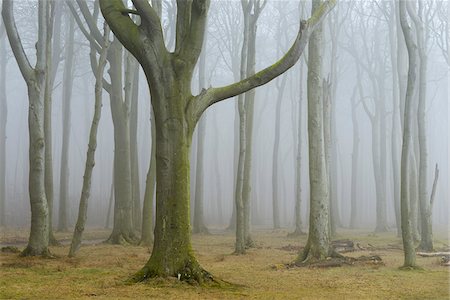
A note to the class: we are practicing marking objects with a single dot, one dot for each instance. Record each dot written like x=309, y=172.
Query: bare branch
x=14, y=39
x=214, y=95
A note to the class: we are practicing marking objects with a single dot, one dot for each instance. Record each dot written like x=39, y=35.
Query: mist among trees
x=225, y=144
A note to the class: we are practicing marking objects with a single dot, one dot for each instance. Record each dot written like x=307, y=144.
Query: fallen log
x=433, y=254
x=343, y=246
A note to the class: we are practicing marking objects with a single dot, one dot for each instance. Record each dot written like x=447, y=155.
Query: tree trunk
x=36, y=83
x=66, y=107
x=318, y=244
x=408, y=243
x=276, y=146
x=426, y=240
x=132, y=73
x=395, y=151
x=123, y=231
x=326, y=94
x=199, y=225
x=150, y=184
x=172, y=253
x=298, y=163
x=90, y=156
x=355, y=158
x=39, y=232
x=49, y=192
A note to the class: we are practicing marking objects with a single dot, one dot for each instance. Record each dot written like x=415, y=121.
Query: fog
x=362, y=29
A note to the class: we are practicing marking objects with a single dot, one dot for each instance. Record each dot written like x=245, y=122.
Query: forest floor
x=100, y=270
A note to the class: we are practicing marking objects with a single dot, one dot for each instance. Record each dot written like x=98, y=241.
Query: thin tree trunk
x=199, y=223
x=408, y=243
x=66, y=107
x=276, y=146
x=111, y=202
x=298, y=163
x=49, y=192
x=426, y=241
x=355, y=159
x=92, y=146
x=150, y=185
x=395, y=151
x=132, y=73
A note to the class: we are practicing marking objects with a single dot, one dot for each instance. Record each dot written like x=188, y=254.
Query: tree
x=176, y=110
x=318, y=244
x=422, y=35
x=408, y=243
x=199, y=223
x=35, y=79
x=92, y=146
x=67, y=99
x=355, y=157
x=251, y=10
x=150, y=182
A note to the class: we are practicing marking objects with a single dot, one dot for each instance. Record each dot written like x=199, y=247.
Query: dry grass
x=101, y=271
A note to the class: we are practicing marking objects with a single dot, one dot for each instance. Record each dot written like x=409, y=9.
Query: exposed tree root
x=190, y=273
x=410, y=268
x=296, y=233
x=29, y=251
x=122, y=239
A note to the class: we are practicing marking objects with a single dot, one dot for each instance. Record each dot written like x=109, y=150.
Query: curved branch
x=123, y=26
x=214, y=95
x=14, y=39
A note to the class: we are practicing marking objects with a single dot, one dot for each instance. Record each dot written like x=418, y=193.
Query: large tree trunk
x=67, y=97
x=172, y=253
x=3, y=120
x=318, y=244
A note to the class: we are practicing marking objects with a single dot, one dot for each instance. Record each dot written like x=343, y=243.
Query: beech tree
x=318, y=244
x=176, y=110
x=407, y=237
x=35, y=78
